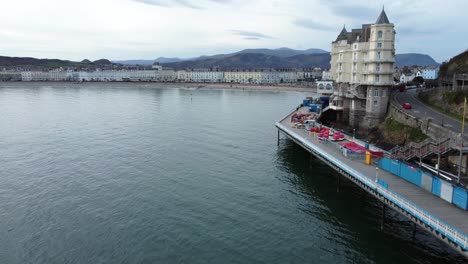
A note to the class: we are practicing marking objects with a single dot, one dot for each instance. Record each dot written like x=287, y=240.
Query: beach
x=232, y=86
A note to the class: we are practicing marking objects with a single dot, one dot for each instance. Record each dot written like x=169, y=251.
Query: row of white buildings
x=427, y=74
x=158, y=74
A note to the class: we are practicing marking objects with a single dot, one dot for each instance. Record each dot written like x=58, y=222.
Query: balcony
x=383, y=72
x=381, y=60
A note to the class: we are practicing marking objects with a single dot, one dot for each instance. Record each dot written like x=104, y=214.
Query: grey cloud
x=418, y=30
x=250, y=34
x=310, y=24
x=186, y=3
x=358, y=12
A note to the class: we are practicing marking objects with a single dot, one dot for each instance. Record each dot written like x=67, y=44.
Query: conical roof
x=383, y=19
x=343, y=34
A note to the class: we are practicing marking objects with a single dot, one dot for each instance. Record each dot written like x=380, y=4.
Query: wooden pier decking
x=444, y=220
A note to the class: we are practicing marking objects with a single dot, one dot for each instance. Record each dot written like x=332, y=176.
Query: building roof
x=382, y=19
x=343, y=34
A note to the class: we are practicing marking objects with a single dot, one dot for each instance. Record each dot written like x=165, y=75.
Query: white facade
x=362, y=63
x=430, y=74
x=325, y=88
x=326, y=76
x=405, y=78
x=161, y=75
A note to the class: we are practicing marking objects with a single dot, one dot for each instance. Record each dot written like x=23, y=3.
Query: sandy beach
x=252, y=87
x=264, y=87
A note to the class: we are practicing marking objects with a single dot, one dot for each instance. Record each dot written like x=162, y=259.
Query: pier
x=442, y=219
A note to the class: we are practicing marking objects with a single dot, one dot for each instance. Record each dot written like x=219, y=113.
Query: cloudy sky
x=147, y=29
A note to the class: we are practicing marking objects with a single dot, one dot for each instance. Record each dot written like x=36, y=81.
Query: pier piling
x=382, y=222
x=278, y=137
x=338, y=184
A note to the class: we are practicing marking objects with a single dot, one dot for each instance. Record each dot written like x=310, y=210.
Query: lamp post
x=461, y=142
x=376, y=174
x=354, y=134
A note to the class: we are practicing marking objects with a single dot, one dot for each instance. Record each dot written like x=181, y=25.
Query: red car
x=406, y=106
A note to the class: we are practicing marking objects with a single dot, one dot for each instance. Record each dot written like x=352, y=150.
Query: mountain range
x=273, y=58
x=281, y=52
x=244, y=59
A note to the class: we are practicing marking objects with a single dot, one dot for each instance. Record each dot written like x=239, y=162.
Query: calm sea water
x=119, y=173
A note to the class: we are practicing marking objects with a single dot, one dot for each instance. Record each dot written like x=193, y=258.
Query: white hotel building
x=362, y=67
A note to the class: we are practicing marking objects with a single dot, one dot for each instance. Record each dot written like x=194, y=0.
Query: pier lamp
x=376, y=174
x=354, y=134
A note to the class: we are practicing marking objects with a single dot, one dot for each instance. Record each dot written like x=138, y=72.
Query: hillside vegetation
x=458, y=64
x=449, y=102
x=26, y=62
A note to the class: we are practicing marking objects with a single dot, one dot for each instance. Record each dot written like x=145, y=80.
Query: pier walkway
x=444, y=220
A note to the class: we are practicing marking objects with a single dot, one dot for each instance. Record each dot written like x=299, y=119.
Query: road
x=421, y=110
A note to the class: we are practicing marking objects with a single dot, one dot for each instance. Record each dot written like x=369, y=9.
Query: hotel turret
x=362, y=67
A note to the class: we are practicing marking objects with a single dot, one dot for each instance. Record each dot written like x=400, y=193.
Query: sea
x=145, y=173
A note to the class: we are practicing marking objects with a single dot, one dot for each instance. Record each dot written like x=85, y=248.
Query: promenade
x=446, y=221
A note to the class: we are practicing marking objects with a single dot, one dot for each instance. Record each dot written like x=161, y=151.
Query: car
x=406, y=106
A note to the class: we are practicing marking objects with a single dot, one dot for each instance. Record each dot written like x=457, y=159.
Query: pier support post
x=338, y=184
x=382, y=221
x=278, y=136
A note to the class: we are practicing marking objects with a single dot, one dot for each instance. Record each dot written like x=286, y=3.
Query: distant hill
x=102, y=62
x=256, y=61
x=414, y=59
x=244, y=59
x=26, y=62
x=148, y=62
x=457, y=64
x=281, y=52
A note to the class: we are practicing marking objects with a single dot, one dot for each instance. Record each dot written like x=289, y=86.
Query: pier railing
x=442, y=227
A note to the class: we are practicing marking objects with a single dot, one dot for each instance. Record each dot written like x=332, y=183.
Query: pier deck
x=446, y=221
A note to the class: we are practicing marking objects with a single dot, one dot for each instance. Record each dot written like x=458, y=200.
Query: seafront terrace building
x=362, y=65
x=204, y=75
x=158, y=74
x=242, y=76
x=10, y=76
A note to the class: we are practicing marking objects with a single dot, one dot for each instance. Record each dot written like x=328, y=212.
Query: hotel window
x=355, y=46
x=354, y=77
x=376, y=92
x=377, y=78
x=377, y=67
x=341, y=66
x=379, y=45
x=379, y=34
x=379, y=55
x=354, y=55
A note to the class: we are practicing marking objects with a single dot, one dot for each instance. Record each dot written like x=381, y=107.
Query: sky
x=148, y=29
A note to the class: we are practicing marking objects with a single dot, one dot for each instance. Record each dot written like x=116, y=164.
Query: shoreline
x=220, y=86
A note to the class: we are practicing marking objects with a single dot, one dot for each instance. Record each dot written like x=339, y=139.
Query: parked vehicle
x=406, y=106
